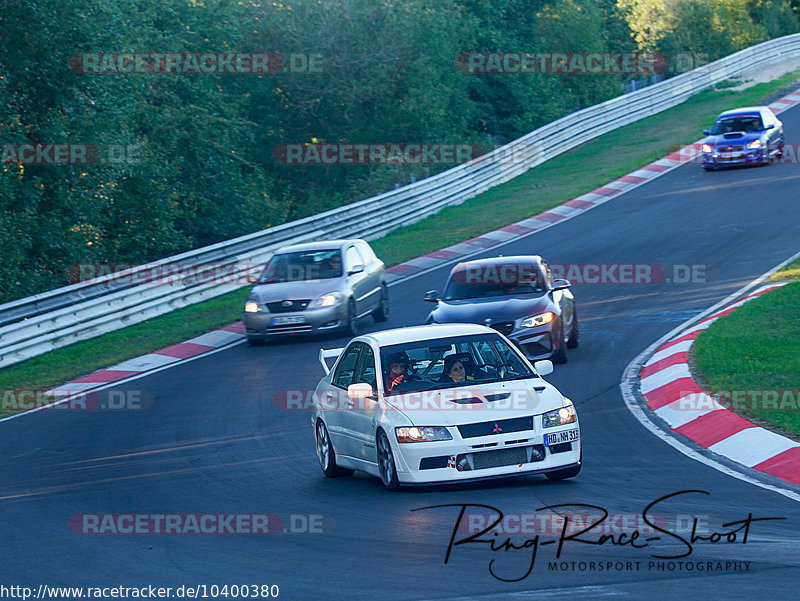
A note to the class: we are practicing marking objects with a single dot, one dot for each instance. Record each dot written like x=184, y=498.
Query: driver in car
x=398, y=373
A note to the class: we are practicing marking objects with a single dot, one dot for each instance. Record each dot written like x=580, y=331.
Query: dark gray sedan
x=317, y=287
x=517, y=297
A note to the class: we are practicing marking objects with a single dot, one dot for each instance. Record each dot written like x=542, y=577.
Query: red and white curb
x=234, y=333
x=562, y=212
x=672, y=394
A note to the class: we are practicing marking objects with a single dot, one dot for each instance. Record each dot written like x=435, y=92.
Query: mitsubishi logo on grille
x=286, y=304
x=497, y=429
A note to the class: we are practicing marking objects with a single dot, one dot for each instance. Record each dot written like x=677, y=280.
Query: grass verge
x=753, y=356
x=550, y=184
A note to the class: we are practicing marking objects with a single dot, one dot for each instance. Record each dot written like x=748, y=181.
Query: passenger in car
x=454, y=370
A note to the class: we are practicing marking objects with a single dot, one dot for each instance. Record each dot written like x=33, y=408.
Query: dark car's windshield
x=491, y=279
x=300, y=266
x=739, y=123
x=448, y=362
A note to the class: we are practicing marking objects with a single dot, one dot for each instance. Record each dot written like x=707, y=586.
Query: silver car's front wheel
x=386, y=465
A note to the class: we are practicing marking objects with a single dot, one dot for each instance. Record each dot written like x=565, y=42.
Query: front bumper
x=517, y=453
x=314, y=319
x=752, y=156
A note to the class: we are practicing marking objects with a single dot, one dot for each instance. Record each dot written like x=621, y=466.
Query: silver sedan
x=317, y=287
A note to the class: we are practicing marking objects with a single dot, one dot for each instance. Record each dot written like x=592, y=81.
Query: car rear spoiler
x=330, y=354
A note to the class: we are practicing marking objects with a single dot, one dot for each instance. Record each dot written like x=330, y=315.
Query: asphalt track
x=213, y=441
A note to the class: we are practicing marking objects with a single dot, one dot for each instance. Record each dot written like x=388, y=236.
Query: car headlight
x=708, y=148
x=538, y=320
x=422, y=433
x=329, y=300
x=251, y=307
x=754, y=144
x=560, y=417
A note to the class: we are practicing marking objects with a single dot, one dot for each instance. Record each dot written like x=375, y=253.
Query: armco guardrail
x=37, y=324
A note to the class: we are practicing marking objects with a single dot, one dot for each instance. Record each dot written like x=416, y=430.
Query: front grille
x=297, y=305
x=504, y=327
x=499, y=458
x=503, y=426
x=730, y=148
x=561, y=448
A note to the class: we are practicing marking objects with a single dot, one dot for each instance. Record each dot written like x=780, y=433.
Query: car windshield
x=484, y=280
x=739, y=123
x=450, y=362
x=301, y=266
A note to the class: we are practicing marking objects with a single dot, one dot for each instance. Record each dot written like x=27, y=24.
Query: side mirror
x=707, y=132
x=359, y=391
x=770, y=126
x=561, y=284
x=432, y=296
x=543, y=367
x=356, y=269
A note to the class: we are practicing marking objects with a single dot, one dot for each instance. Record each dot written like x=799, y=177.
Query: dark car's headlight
x=251, y=307
x=560, y=417
x=538, y=320
x=708, y=148
x=754, y=144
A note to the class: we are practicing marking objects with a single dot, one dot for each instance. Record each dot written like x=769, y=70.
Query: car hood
x=311, y=289
x=733, y=138
x=468, y=405
x=478, y=310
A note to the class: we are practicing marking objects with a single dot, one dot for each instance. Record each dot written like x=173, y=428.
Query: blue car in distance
x=747, y=136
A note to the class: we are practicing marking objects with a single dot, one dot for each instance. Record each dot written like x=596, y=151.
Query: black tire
x=567, y=472
x=326, y=454
x=574, y=333
x=382, y=312
x=351, y=326
x=255, y=341
x=559, y=355
x=386, y=465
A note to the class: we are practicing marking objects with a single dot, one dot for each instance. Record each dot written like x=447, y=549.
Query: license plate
x=730, y=155
x=560, y=437
x=285, y=321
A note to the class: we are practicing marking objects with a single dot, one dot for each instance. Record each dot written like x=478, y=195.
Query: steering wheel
x=503, y=369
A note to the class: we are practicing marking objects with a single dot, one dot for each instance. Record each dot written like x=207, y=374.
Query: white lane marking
x=630, y=379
